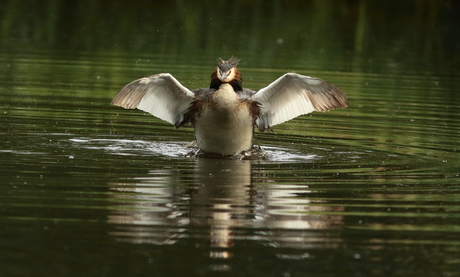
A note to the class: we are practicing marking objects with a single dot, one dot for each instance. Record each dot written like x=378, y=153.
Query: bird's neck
x=225, y=97
x=236, y=83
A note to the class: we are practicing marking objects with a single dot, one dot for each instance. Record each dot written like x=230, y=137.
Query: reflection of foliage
x=273, y=29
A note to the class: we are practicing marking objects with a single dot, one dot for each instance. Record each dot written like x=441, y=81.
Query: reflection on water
x=226, y=199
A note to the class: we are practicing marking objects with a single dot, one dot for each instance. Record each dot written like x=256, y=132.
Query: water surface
x=94, y=190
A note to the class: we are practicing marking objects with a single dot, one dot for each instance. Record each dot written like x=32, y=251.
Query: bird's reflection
x=220, y=197
x=222, y=201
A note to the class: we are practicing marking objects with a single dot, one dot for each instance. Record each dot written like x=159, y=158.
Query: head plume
x=232, y=62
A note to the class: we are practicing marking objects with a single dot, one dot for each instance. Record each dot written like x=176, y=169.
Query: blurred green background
x=387, y=35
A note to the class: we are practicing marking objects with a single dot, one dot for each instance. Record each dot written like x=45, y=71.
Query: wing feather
x=161, y=95
x=292, y=95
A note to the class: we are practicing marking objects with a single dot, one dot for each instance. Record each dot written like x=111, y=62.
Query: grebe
x=225, y=114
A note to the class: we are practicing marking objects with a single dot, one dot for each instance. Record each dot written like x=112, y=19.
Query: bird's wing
x=292, y=95
x=161, y=95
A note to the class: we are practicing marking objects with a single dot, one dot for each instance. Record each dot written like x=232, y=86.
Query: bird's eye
x=229, y=72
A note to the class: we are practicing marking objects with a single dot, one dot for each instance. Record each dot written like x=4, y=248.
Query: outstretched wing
x=161, y=95
x=292, y=95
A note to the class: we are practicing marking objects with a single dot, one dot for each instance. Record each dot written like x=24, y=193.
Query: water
x=89, y=189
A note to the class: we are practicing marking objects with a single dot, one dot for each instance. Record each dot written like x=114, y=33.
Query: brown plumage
x=224, y=115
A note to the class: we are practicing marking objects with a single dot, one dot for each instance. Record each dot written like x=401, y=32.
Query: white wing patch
x=161, y=95
x=292, y=95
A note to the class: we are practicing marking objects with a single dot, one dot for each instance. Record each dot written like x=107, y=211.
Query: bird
x=225, y=114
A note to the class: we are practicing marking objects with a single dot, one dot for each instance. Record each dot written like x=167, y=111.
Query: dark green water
x=88, y=189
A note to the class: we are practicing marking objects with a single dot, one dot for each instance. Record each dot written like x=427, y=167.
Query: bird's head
x=226, y=70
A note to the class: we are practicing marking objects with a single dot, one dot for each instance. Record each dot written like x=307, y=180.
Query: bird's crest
x=232, y=61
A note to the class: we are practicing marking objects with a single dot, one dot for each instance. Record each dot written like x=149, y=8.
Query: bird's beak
x=224, y=75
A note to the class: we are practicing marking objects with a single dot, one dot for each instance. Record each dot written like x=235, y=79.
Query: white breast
x=225, y=125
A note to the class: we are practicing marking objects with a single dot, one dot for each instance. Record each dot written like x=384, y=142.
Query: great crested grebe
x=225, y=114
